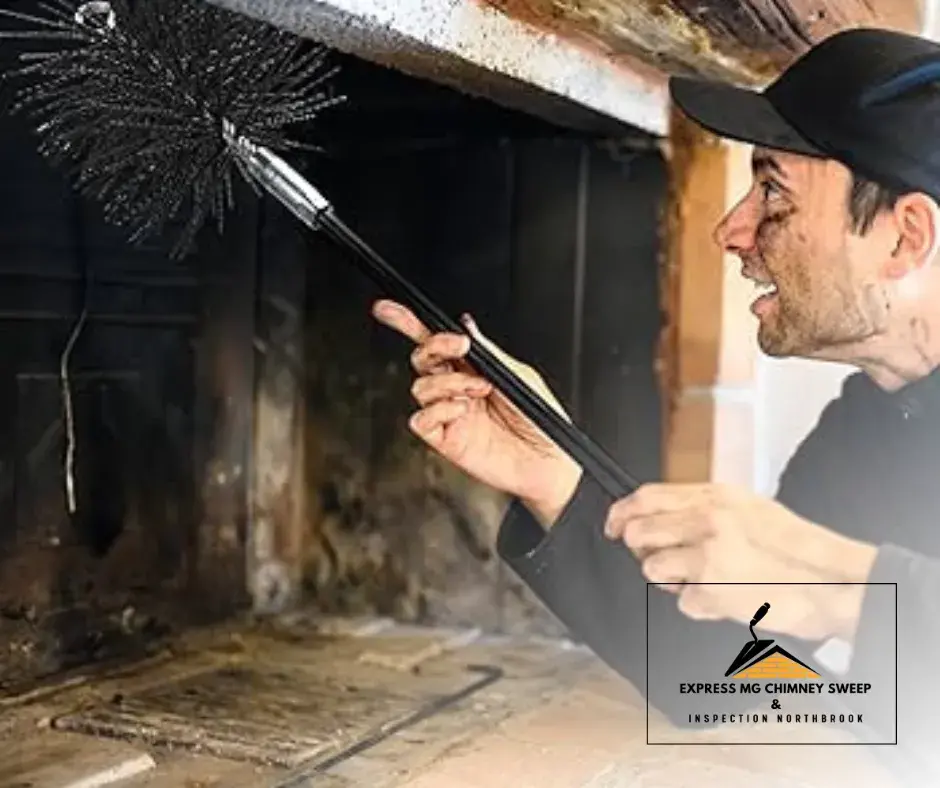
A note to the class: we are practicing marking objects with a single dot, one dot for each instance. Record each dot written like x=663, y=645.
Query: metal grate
x=295, y=705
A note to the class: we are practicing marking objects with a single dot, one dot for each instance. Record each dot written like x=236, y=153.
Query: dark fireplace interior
x=237, y=422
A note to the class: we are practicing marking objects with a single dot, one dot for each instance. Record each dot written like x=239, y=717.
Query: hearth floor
x=371, y=703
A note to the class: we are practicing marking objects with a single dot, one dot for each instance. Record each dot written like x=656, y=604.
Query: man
x=841, y=229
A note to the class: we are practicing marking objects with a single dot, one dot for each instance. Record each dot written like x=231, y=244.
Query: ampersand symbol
x=775, y=704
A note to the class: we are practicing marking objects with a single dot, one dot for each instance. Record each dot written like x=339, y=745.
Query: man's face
x=793, y=235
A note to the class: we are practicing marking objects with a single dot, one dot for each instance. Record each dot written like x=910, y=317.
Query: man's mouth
x=767, y=293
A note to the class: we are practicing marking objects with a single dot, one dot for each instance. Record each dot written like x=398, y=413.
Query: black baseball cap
x=866, y=97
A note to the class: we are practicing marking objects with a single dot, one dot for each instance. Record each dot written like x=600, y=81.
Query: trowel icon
x=754, y=647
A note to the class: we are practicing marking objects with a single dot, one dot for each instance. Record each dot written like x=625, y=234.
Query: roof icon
x=761, y=659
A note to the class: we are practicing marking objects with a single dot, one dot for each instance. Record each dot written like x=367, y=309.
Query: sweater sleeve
x=907, y=620
x=596, y=589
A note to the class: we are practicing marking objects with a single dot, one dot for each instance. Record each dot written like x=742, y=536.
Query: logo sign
x=765, y=690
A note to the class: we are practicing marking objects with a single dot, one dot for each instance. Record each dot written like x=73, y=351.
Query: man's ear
x=917, y=224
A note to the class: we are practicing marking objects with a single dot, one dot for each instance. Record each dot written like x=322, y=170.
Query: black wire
x=65, y=361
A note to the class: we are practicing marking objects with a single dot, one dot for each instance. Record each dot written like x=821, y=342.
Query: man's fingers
x=400, y=319
x=656, y=499
x=434, y=388
x=697, y=603
x=426, y=422
x=674, y=566
x=660, y=531
x=439, y=349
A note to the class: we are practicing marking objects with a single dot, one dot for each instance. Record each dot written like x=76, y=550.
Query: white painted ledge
x=931, y=26
x=474, y=48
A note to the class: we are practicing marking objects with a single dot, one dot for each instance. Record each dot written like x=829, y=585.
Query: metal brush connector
x=269, y=171
x=97, y=14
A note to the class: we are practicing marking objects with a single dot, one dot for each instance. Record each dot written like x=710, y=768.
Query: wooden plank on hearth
x=184, y=770
x=54, y=760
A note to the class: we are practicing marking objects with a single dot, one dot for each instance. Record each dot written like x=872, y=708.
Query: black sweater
x=870, y=469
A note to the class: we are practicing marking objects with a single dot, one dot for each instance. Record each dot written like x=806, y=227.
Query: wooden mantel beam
x=741, y=41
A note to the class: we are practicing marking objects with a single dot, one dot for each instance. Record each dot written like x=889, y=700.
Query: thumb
x=524, y=372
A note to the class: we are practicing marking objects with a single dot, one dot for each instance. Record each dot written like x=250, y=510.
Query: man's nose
x=736, y=233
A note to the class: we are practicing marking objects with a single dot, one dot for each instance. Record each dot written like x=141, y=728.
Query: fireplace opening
x=226, y=560
x=237, y=422
x=549, y=237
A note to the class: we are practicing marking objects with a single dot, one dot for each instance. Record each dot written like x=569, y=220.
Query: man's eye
x=769, y=189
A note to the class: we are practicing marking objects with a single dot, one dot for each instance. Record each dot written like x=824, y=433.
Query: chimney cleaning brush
x=153, y=105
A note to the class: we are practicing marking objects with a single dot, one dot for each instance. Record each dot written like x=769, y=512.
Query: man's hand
x=472, y=425
x=710, y=533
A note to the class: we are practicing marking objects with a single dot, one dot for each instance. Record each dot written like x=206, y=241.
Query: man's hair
x=866, y=200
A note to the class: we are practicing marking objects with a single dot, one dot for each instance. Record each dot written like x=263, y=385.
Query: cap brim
x=738, y=114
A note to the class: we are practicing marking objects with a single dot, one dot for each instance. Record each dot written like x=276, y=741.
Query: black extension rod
x=584, y=450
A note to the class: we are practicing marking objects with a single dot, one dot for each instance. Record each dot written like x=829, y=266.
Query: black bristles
x=135, y=110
